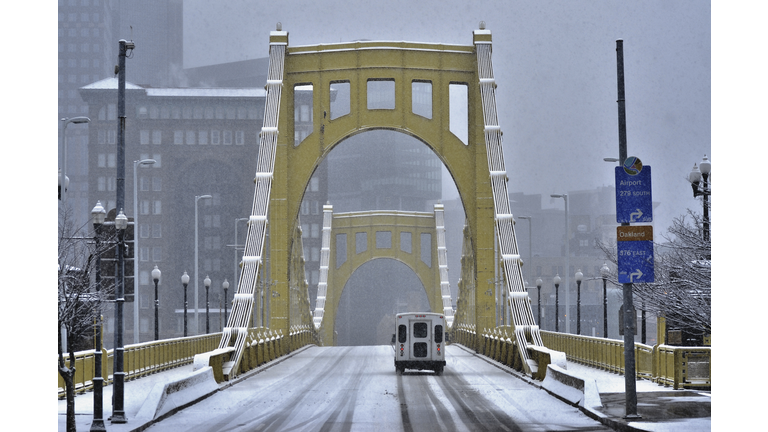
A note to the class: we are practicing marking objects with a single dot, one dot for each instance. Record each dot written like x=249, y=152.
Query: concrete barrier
x=168, y=396
x=575, y=389
x=214, y=359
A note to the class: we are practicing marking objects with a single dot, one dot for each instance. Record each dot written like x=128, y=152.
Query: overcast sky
x=555, y=66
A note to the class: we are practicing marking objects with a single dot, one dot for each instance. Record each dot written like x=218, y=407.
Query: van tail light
x=402, y=348
x=438, y=349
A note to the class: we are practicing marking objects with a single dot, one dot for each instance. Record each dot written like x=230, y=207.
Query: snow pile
x=571, y=387
x=167, y=396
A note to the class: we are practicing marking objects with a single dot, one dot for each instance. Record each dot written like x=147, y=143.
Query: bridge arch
x=382, y=78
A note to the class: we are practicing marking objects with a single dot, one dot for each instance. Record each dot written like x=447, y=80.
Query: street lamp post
x=538, y=298
x=99, y=215
x=225, y=286
x=567, y=260
x=197, y=293
x=156, y=279
x=556, y=280
x=63, y=180
x=579, y=277
x=118, y=397
x=699, y=178
x=207, y=283
x=604, y=271
x=136, y=236
x=185, y=282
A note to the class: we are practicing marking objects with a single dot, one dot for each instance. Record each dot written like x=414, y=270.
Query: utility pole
x=630, y=380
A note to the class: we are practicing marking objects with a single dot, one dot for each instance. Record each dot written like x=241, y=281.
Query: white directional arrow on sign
x=638, y=274
x=635, y=216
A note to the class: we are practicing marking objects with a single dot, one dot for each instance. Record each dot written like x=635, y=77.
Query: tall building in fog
x=88, y=35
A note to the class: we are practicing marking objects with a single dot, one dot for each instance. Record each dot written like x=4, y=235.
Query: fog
x=554, y=63
x=555, y=66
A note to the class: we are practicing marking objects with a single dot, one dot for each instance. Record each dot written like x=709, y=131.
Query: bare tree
x=79, y=299
x=682, y=289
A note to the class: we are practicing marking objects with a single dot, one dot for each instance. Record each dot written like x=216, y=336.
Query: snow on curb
x=168, y=396
x=571, y=387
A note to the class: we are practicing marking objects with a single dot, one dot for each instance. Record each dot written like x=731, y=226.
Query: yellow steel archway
x=402, y=64
x=381, y=234
x=386, y=85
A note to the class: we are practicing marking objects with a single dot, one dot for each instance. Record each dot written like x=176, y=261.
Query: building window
x=202, y=137
x=111, y=160
x=102, y=163
x=178, y=137
x=111, y=136
x=157, y=253
x=144, y=137
x=143, y=254
x=144, y=207
x=227, y=137
x=157, y=230
x=157, y=208
x=158, y=160
x=215, y=137
x=102, y=184
x=157, y=184
x=144, y=230
x=190, y=137
x=157, y=137
x=239, y=137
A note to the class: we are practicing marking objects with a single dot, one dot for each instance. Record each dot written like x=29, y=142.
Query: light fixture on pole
x=136, y=236
x=567, y=260
x=197, y=293
x=225, y=286
x=156, y=279
x=699, y=178
x=185, y=282
x=63, y=179
x=207, y=283
x=99, y=215
x=579, y=277
x=604, y=272
x=539, y=282
x=118, y=404
x=556, y=280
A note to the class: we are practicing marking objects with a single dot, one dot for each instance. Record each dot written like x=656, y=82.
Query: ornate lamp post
x=207, y=283
x=197, y=294
x=699, y=178
x=225, y=287
x=604, y=271
x=556, y=280
x=156, y=279
x=538, y=299
x=118, y=396
x=579, y=278
x=185, y=282
x=99, y=215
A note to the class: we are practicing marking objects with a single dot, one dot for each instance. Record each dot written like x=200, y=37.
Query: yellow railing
x=150, y=357
x=139, y=359
x=679, y=367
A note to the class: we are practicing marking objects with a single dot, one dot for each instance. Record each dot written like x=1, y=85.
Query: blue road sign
x=633, y=192
x=635, y=253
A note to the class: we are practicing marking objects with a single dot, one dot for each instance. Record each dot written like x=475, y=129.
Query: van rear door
x=421, y=340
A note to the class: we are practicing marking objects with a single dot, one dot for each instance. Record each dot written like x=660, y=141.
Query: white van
x=419, y=341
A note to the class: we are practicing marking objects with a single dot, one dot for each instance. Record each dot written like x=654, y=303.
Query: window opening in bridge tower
x=339, y=99
x=341, y=249
x=361, y=242
x=426, y=248
x=458, y=111
x=383, y=239
x=302, y=112
x=381, y=94
x=405, y=242
x=421, y=98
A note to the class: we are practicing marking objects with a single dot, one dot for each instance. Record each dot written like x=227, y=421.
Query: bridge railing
x=139, y=359
x=676, y=366
x=679, y=367
x=150, y=357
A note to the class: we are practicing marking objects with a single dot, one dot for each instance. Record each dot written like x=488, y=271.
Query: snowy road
x=356, y=389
